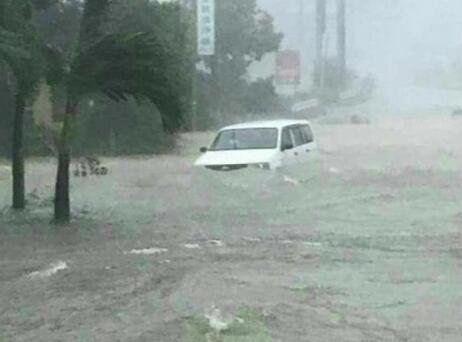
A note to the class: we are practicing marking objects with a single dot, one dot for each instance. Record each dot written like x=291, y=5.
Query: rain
x=230, y=170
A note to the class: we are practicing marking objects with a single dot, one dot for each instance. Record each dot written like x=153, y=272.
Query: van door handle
x=296, y=153
x=308, y=150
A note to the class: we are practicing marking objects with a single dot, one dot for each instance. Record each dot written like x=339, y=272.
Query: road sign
x=288, y=67
x=206, y=27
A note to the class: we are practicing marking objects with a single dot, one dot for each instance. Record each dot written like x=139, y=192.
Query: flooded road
x=366, y=246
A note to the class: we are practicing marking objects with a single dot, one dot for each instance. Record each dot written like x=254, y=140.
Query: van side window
x=298, y=136
x=286, y=138
x=308, y=134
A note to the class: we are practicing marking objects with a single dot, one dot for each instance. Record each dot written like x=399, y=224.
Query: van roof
x=267, y=124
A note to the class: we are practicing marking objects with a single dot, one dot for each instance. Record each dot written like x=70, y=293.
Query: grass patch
x=250, y=327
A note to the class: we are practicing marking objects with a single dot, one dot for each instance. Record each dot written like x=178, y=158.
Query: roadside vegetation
x=116, y=78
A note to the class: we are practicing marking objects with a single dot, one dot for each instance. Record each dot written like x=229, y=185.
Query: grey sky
x=386, y=37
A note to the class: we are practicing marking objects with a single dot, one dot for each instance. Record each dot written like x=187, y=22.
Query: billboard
x=288, y=66
x=205, y=27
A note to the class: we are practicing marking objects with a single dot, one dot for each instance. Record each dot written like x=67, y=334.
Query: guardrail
x=304, y=105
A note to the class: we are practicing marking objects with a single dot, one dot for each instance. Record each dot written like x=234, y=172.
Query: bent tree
x=119, y=64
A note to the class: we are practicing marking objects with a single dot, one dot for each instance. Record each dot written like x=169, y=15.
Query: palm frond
x=94, y=16
x=130, y=65
x=10, y=50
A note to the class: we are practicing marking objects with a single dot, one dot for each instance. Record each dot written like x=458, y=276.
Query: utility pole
x=301, y=21
x=320, y=32
x=301, y=43
x=194, y=80
x=341, y=38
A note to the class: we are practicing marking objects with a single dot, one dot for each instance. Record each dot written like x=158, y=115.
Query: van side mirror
x=204, y=149
x=287, y=146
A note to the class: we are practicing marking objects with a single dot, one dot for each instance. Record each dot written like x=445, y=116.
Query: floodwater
x=363, y=245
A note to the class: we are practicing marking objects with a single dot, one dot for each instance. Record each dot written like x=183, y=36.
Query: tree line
x=115, y=67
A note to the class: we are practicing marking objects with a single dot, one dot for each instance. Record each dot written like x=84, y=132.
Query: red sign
x=288, y=67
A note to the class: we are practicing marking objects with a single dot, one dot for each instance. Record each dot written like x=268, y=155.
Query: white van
x=264, y=144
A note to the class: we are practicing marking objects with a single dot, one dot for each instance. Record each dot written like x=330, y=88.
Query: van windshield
x=246, y=139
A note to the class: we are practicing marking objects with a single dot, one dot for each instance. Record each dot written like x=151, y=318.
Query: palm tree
x=119, y=65
x=21, y=49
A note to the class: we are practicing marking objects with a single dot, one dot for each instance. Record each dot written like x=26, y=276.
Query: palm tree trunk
x=62, y=213
x=17, y=153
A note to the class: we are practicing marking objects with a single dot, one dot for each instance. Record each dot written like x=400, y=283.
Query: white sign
x=206, y=27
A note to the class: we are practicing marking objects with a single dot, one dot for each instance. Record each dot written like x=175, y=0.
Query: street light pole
x=301, y=20
x=184, y=7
